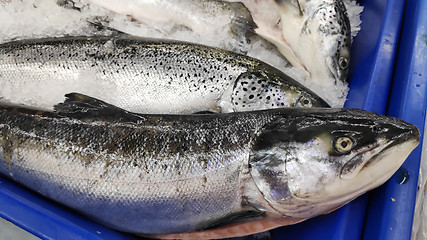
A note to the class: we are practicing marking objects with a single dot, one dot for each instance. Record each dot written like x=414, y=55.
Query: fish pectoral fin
x=83, y=107
x=231, y=231
x=243, y=216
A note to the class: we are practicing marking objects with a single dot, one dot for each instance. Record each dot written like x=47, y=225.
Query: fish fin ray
x=83, y=107
x=232, y=218
x=231, y=231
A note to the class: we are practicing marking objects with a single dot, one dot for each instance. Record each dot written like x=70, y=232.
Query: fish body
x=145, y=76
x=192, y=176
x=199, y=16
x=192, y=19
x=320, y=35
x=314, y=36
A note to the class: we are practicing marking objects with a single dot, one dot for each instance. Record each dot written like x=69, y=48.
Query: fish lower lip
x=400, y=140
x=394, y=143
x=410, y=140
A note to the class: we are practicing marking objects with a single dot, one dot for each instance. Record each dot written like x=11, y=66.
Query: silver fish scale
x=139, y=70
x=152, y=177
x=139, y=75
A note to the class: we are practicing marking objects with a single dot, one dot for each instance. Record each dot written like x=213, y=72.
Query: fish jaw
x=383, y=166
x=305, y=178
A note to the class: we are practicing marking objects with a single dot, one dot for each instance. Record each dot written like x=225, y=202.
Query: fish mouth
x=381, y=167
x=372, y=153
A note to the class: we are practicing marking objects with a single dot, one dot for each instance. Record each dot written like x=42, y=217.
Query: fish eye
x=343, y=63
x=304, y=101
x=343, y=144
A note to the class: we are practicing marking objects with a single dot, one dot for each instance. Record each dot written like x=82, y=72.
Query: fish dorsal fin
x=83, y=107
x=205, y=112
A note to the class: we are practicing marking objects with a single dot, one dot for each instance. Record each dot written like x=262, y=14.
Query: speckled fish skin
x=144, y=76
x=319, y=36
x=207, y=18
x=164, y=174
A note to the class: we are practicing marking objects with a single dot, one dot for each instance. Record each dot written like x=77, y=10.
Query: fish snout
x=400, y=131
x=394, y=137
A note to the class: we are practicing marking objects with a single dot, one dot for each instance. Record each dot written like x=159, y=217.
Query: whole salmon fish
x=144, y=76
x=200, y=176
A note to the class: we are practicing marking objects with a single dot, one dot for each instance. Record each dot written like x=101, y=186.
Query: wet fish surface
x=314, y=36
x=207, y=17
x=192, y=176
x=145, y=76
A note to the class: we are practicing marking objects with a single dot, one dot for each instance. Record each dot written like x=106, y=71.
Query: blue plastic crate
x=46, y=219
x=370, y=81
x=391, y=207
x=371, y=71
